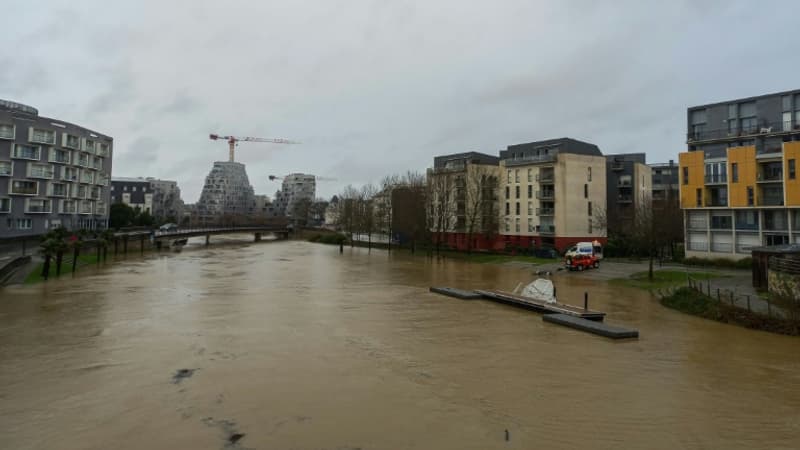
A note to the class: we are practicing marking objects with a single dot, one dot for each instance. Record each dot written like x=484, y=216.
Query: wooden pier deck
x=457, y=293
x=599, y=328
x=541, y=306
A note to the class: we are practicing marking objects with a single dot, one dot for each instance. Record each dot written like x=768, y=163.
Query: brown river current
x=294, y=346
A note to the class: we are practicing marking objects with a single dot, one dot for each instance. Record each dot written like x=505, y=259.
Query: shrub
x=745, y=263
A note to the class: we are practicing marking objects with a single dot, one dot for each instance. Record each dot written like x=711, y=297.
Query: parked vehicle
x=168, y=227
x=586, y=248
x=581, y=261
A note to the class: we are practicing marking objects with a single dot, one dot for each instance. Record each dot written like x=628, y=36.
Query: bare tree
x=645, y=234
x=346, y=214
x=366, y=212
x=479, y=192
x=441, y=205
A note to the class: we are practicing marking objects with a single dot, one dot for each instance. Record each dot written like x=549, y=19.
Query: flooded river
x=289, y=345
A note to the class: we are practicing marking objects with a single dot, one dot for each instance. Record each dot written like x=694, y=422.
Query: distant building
x=263, y=206
x=159, y=198
x=629, y=184
x=134, y=192
x=227, y=194
x=666, y=187
x=295, y=187
x=739, y=187
x=52, y=173
x=332, y=213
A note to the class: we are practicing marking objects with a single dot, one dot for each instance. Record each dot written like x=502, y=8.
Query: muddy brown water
x=290, y=345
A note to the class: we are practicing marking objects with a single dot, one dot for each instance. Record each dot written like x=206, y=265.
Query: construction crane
x=233, y=141
x=316, y=178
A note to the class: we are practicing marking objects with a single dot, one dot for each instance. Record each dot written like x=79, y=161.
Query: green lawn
x=66, y=267
x=662, y=279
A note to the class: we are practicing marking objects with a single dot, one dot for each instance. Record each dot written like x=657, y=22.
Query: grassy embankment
x=690, y=301
x=662, y=279
x=66, y=267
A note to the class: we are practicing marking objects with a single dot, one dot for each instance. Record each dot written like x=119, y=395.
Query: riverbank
x=35, y=274
x=690, y=301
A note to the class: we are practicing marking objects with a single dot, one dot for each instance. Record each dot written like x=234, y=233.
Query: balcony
x=546, y=177
x=626, y=183
x=38, y=207
x=545, y=211
x=5, y=169
x=24, y=188
x=769, y=128
x=617, y=166
x=545, y=195
x=529, y=160
x=769, y=177
x=624, y=198
x=717, y=179
x=547, y=229
x=68, y=207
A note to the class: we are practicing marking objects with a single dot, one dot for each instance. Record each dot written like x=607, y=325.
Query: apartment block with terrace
x=738, y=179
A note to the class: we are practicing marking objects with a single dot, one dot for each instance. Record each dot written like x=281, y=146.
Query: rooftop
x=746, y=99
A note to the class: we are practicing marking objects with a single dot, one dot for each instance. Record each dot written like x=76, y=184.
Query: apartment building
x=550, y=193
x=52, y=173
x=295, y=187
x=738, y=180
x=629, y=186
x=167, y=202
x=227, y=194
x=666, y=184
x=464, y=200
x=134, y=192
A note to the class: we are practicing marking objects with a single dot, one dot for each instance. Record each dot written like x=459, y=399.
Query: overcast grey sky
x=376, y=87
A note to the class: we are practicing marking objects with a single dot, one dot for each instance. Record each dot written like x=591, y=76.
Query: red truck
x=581, y=261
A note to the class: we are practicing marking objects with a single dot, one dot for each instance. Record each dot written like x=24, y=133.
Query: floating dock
x=457, y=293
x=590, y=326
x=542, y=306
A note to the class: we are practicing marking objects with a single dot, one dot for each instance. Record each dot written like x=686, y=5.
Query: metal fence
x=750, y=302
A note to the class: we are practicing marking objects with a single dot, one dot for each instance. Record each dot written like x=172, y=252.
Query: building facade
x=738, y=180
x=551, y=192
x=167, y=202
x=463, y=207
x=666, y=185
x=629, y=186
x=227, y=194
x=52, y=173
x=134, y=192
x=295, y=187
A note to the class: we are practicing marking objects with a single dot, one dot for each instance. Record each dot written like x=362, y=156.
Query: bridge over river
x=159, y=237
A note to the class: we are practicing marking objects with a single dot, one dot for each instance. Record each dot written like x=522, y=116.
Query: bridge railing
x=185, y=231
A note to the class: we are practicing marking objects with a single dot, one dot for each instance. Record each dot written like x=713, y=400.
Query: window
x=590, y=209
x=517, y=209
x=112, y=188
x=40, y=171
x=69, y=174
x=508, y=209
x=590, y=226
x=88, y=145
x=749, y=195
x=530, y=191
x=41, y=136
x=721, y=222
x=735, y=172
x=516, y=224
x=507, y=192
x=68, y=207
x=81, y=193
x=59, y=190
x=530, y=175
x=530, y=208
x=509, y=175
x=5, y=205
x=786, y=103
x=36, y=205
x=685, y=175
x=125, y=188
x=516, y=175
x=134, y=189
x=70, y=141
x=787, y=121
x=6, y=131
x=24, y=224
x=517, y=191
x=59, y=156
x=699, y=197
x=530, y=225
x=6, y=168
x=589, y=174
x=21, y=187
x=26, y=152
x=585, y=191
x=508, y=225
x=791, y=169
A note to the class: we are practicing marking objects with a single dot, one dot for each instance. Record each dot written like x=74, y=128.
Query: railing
x=5, y=171
x=736, y=133
x=545, y=195
x=547, y=229
x=769, y=177
x=529, y=159
x=24, y=191
x=545, y=211
x=719, y=202
x=624, y=183
x=785, y=265
x=45, y=208
x=718, y=178
x=770, y=201
x=624, y=198
x=545, y=178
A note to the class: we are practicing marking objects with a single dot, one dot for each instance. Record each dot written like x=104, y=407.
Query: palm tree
x=75, y=244
x=48, y=247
